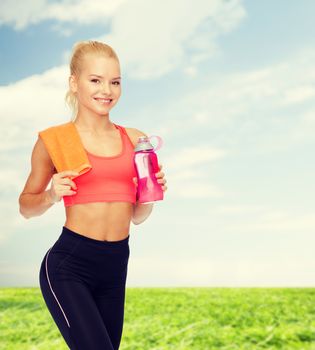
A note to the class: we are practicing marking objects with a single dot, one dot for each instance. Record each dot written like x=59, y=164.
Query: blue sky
x=228, y=85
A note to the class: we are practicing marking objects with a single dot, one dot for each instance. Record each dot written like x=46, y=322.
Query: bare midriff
x=104, y=221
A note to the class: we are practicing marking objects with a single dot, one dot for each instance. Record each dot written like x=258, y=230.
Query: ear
x=73, y=84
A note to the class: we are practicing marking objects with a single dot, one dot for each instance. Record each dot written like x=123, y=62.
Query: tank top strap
x=120, y=127
x=123, y=130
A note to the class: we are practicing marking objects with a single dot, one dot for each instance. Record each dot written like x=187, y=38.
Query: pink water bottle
x=146, y=164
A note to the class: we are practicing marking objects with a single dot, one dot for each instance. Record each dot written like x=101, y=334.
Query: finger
x=159, y=174
x=160, y=166
x=73, y=185
x=67, y=181
x=68, y=173
x=68, y=189
x=62, y=187
x=69, y=193
x=161, y=181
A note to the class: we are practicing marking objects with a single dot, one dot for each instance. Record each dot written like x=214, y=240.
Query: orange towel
x=65, y=148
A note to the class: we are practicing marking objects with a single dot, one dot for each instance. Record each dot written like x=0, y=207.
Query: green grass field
x=177, y=318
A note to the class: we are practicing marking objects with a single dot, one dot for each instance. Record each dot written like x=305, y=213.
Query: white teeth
x=102, y=100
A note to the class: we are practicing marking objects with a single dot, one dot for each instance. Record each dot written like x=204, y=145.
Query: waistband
x=69, y=233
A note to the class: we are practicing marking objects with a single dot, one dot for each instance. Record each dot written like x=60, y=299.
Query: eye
x=118, y=83
x=95, y=80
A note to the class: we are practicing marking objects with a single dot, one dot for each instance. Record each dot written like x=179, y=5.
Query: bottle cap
x=143, y=144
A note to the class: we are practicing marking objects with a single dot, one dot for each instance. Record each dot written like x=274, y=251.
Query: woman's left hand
x=160, y=179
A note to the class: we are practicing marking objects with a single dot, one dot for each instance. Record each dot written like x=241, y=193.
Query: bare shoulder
x=41, y=155
x=134, y=134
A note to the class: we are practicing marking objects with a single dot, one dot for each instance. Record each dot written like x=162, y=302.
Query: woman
x=83, y=275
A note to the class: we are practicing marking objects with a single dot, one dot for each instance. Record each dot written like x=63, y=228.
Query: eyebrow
x=99, y=76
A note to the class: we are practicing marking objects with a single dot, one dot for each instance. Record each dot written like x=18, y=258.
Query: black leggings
x=83, y=284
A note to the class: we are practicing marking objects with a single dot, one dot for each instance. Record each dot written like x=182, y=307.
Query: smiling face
x=98, y=85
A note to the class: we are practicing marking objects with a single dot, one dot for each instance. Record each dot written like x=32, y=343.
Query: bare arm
x=141, y=212
x=35, y=199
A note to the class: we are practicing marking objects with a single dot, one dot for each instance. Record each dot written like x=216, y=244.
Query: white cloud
x=160, y=36
x=266, y=89
x=309, y=117
x=153, y=271
x=82, y=11
x=278, y=221
x=163, y=36
x=251, y=109
x=263, y=219
x=195, y=188
x=194, y=155
x=18, y=275
x=188, y=173
x=21, y=14
x=190, y=71
x=32, y=104
x=238, y=209
x=299, y=94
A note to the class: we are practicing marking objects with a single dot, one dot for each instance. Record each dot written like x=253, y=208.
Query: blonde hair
x=80, y=49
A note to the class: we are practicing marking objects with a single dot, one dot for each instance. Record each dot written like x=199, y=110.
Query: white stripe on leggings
x=52, y=289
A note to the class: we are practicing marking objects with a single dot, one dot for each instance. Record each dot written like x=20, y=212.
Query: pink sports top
x=109, y=179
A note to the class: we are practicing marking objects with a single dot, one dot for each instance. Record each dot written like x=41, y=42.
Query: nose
x=105, y=88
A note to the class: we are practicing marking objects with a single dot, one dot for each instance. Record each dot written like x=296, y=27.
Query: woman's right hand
x=61, y=185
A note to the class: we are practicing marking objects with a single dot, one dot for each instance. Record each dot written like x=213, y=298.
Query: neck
x=94, y=124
